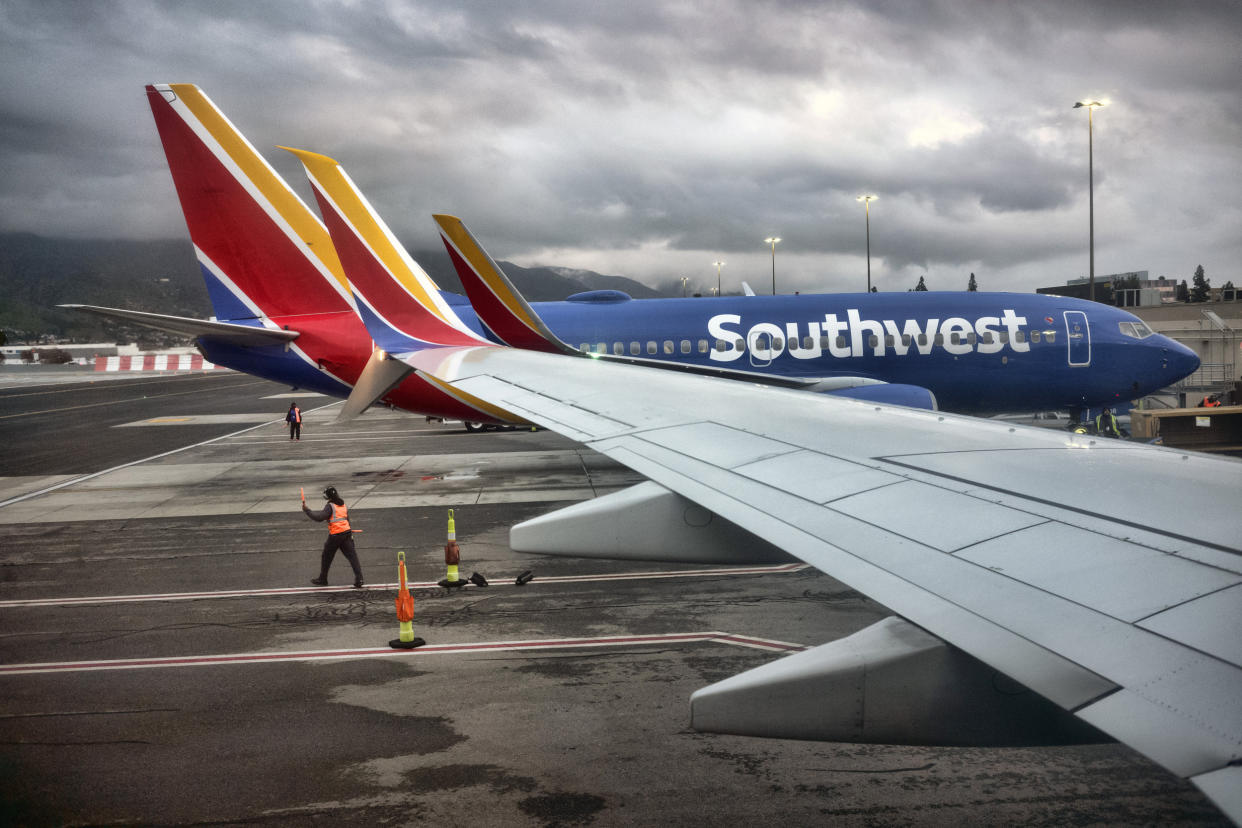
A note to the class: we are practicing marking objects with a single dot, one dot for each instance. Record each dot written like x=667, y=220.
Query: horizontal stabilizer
x=646, y=523
x=380, y=376
x=228, y=332
x=891, y=683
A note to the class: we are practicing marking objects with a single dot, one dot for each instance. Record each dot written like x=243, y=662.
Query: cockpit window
x=1137, y=330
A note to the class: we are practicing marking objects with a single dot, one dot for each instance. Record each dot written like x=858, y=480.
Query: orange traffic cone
x=405, y=612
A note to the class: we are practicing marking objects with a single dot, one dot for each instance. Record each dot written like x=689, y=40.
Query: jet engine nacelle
x=646, y=523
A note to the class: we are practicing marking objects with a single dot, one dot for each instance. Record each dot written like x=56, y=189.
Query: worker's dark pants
x=295, y=431
x=344, y=542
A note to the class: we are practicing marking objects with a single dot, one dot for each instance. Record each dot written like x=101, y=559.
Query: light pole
x=866, y=200
x=1090, y=105
x=684, y=279
x=718, y=266
x=772, y=240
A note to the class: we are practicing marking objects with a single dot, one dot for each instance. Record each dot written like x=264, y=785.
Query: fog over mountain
x=38, y=273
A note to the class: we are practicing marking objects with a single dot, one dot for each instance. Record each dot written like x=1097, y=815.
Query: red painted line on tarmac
x=309, y=590
x=388, y=652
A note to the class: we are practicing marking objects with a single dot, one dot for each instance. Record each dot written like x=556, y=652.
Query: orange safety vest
x=339, y=522
x=297, y=415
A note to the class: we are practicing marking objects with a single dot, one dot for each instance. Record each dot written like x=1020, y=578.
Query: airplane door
x=1078, y=337
x=760, y=341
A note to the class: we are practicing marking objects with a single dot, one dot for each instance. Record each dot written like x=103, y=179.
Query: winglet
x=397, y=300
x=497, y=302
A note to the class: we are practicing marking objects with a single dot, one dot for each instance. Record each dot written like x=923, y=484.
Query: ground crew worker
x=1210, y=402
x=294, y=419
x=1106, y=424
x=340, y=536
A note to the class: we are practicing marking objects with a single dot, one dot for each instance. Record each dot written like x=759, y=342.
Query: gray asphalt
x=350, y=732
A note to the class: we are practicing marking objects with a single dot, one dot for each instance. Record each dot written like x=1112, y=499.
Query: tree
x=921, y=285
x=55, y=356
x=1199, y=293
x=1182, y=293
x=972, y=285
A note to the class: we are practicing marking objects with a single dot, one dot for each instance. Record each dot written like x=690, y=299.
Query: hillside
x=38, y=273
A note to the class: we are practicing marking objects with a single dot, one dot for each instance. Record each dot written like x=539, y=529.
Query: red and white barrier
x=155, y=362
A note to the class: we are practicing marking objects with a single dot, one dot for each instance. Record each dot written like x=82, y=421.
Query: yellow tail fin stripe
x=473, y=401
x=290, y=207
x=482, y=264
x=336, y=185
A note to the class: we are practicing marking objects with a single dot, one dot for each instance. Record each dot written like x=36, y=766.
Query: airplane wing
x=229, y=332
x=1104, y=575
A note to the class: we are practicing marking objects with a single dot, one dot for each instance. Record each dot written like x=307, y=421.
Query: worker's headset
x=330, y=493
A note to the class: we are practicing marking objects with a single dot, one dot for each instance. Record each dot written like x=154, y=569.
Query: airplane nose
x=1182, y=361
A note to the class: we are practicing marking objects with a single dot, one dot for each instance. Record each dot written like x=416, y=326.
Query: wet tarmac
x=165, y=660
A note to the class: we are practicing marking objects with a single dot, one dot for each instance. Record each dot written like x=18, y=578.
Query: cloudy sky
x=652, y=139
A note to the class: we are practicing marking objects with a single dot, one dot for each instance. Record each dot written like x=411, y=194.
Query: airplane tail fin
x=262, y=252
x=497, y=302
x=399, y=303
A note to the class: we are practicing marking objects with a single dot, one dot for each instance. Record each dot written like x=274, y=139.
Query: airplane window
x=685, y=346
x=652, y=347
x=906, y=340
x=635, y=349
x=1004, y=337
x=702, y=346
x=668, y=346
x=618, y=348
x=601, y=348
x=808, y=342
x=721, y=345
x=988, y=338
x=888, y=340
x=1136, y=330
x=923, y=339
x=739, y=344
x=873, y=341
x=1050, y=336
x=1019, y=336
x=971, y=339
x=1035, y=336
x=585, y=347
x=840, y=342
x=777, y=343
x=823, y=342
x=955, y=338
x=939, y=338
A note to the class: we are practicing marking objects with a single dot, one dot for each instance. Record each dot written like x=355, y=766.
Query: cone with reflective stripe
x=452, y=555
x=405, y=612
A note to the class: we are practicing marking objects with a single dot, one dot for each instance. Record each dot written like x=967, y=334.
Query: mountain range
x=37, y=273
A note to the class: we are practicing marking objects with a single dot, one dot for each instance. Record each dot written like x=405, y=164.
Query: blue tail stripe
x=227, y=306
x=387, y=337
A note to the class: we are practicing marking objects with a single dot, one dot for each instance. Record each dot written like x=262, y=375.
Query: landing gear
x=473, y=427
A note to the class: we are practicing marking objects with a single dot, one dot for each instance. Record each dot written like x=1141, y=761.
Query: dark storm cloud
x=653, y=136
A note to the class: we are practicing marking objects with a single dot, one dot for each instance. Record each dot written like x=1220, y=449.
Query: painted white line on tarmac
x=389, y=652
x=309, y=590
x=83, y=478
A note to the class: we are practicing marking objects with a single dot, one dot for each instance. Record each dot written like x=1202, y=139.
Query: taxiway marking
x=249, y=593
x=91, y=476
x=388, y=652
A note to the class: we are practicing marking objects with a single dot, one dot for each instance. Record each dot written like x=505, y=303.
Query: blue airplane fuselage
x=977, y=352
